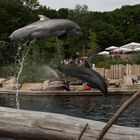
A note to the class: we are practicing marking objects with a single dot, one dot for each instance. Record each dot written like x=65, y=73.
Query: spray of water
x=58, y=49
x=21, y=64
x=48, y=70
x=21, y=61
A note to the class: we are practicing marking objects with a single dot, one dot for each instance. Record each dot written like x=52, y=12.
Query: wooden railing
x=119, y=70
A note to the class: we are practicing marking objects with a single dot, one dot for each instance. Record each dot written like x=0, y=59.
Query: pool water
x=89, y=107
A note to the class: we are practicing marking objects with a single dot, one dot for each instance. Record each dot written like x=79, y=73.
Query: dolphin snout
x=78, y=32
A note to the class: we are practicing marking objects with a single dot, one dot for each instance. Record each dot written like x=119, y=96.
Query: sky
x=93, y=5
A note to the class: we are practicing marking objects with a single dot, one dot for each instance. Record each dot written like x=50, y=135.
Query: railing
x=119, y=71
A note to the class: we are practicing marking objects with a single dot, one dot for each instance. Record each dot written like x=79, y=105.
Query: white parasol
x=137, y=49
x=111, y=48
x=132, y=45
x=103, y=53
x=121, y=50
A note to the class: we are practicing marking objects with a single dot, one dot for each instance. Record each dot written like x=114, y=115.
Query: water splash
x=58, y=53
x=36, y=73
x=58, y=49
x=21, y=64
x=50, y=70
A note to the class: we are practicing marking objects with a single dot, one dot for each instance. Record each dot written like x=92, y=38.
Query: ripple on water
x=89, y=107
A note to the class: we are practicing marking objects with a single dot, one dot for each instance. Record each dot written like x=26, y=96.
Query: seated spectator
x=82, y=62
x=86, y=87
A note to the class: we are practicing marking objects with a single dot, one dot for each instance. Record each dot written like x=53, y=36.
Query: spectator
x=66, y=61
x=82, y=62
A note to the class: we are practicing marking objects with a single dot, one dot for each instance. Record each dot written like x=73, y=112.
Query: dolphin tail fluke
x=105, y=91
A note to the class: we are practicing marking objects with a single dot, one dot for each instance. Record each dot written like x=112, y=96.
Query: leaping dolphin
x=88, y=75
x=46, y=27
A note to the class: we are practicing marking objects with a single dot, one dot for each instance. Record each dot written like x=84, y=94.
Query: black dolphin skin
x=88, y=75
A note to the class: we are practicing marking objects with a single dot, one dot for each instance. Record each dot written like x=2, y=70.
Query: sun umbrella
x=103, y=53
x=131, y=45
x=121, y=50
x=137, y=49
x=111, y=48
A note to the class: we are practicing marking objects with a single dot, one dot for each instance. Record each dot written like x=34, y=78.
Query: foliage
x=101, y=29
x=92, y=43
x=8, y=70
x=58, y=53
x=136, y=59
x=102, y=61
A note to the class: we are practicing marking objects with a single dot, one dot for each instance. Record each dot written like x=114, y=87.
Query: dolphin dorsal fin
x=42, y=17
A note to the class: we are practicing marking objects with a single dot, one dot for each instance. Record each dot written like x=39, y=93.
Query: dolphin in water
x=46, y=27
x=88, y=75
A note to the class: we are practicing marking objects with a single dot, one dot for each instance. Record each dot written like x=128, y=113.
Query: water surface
x=89, y=107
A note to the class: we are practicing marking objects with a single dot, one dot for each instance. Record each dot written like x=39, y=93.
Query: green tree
x=31, y=4
x=92, y=42
x=63, y=13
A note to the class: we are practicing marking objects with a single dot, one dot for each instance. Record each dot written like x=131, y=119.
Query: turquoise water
x=89, y=107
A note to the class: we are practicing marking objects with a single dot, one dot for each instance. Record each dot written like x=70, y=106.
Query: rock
x=32, y=86
x=45, y=85
x=12, y=86
x=10, y=83
x=76, y=87
x=10, y=80
x=1, y=81
x=57, y=85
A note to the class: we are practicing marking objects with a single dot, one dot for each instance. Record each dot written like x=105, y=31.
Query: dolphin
x=88, y=75
x=46, y=27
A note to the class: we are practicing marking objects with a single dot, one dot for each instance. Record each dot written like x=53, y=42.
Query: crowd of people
x=76, y=62
x=80, y=62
